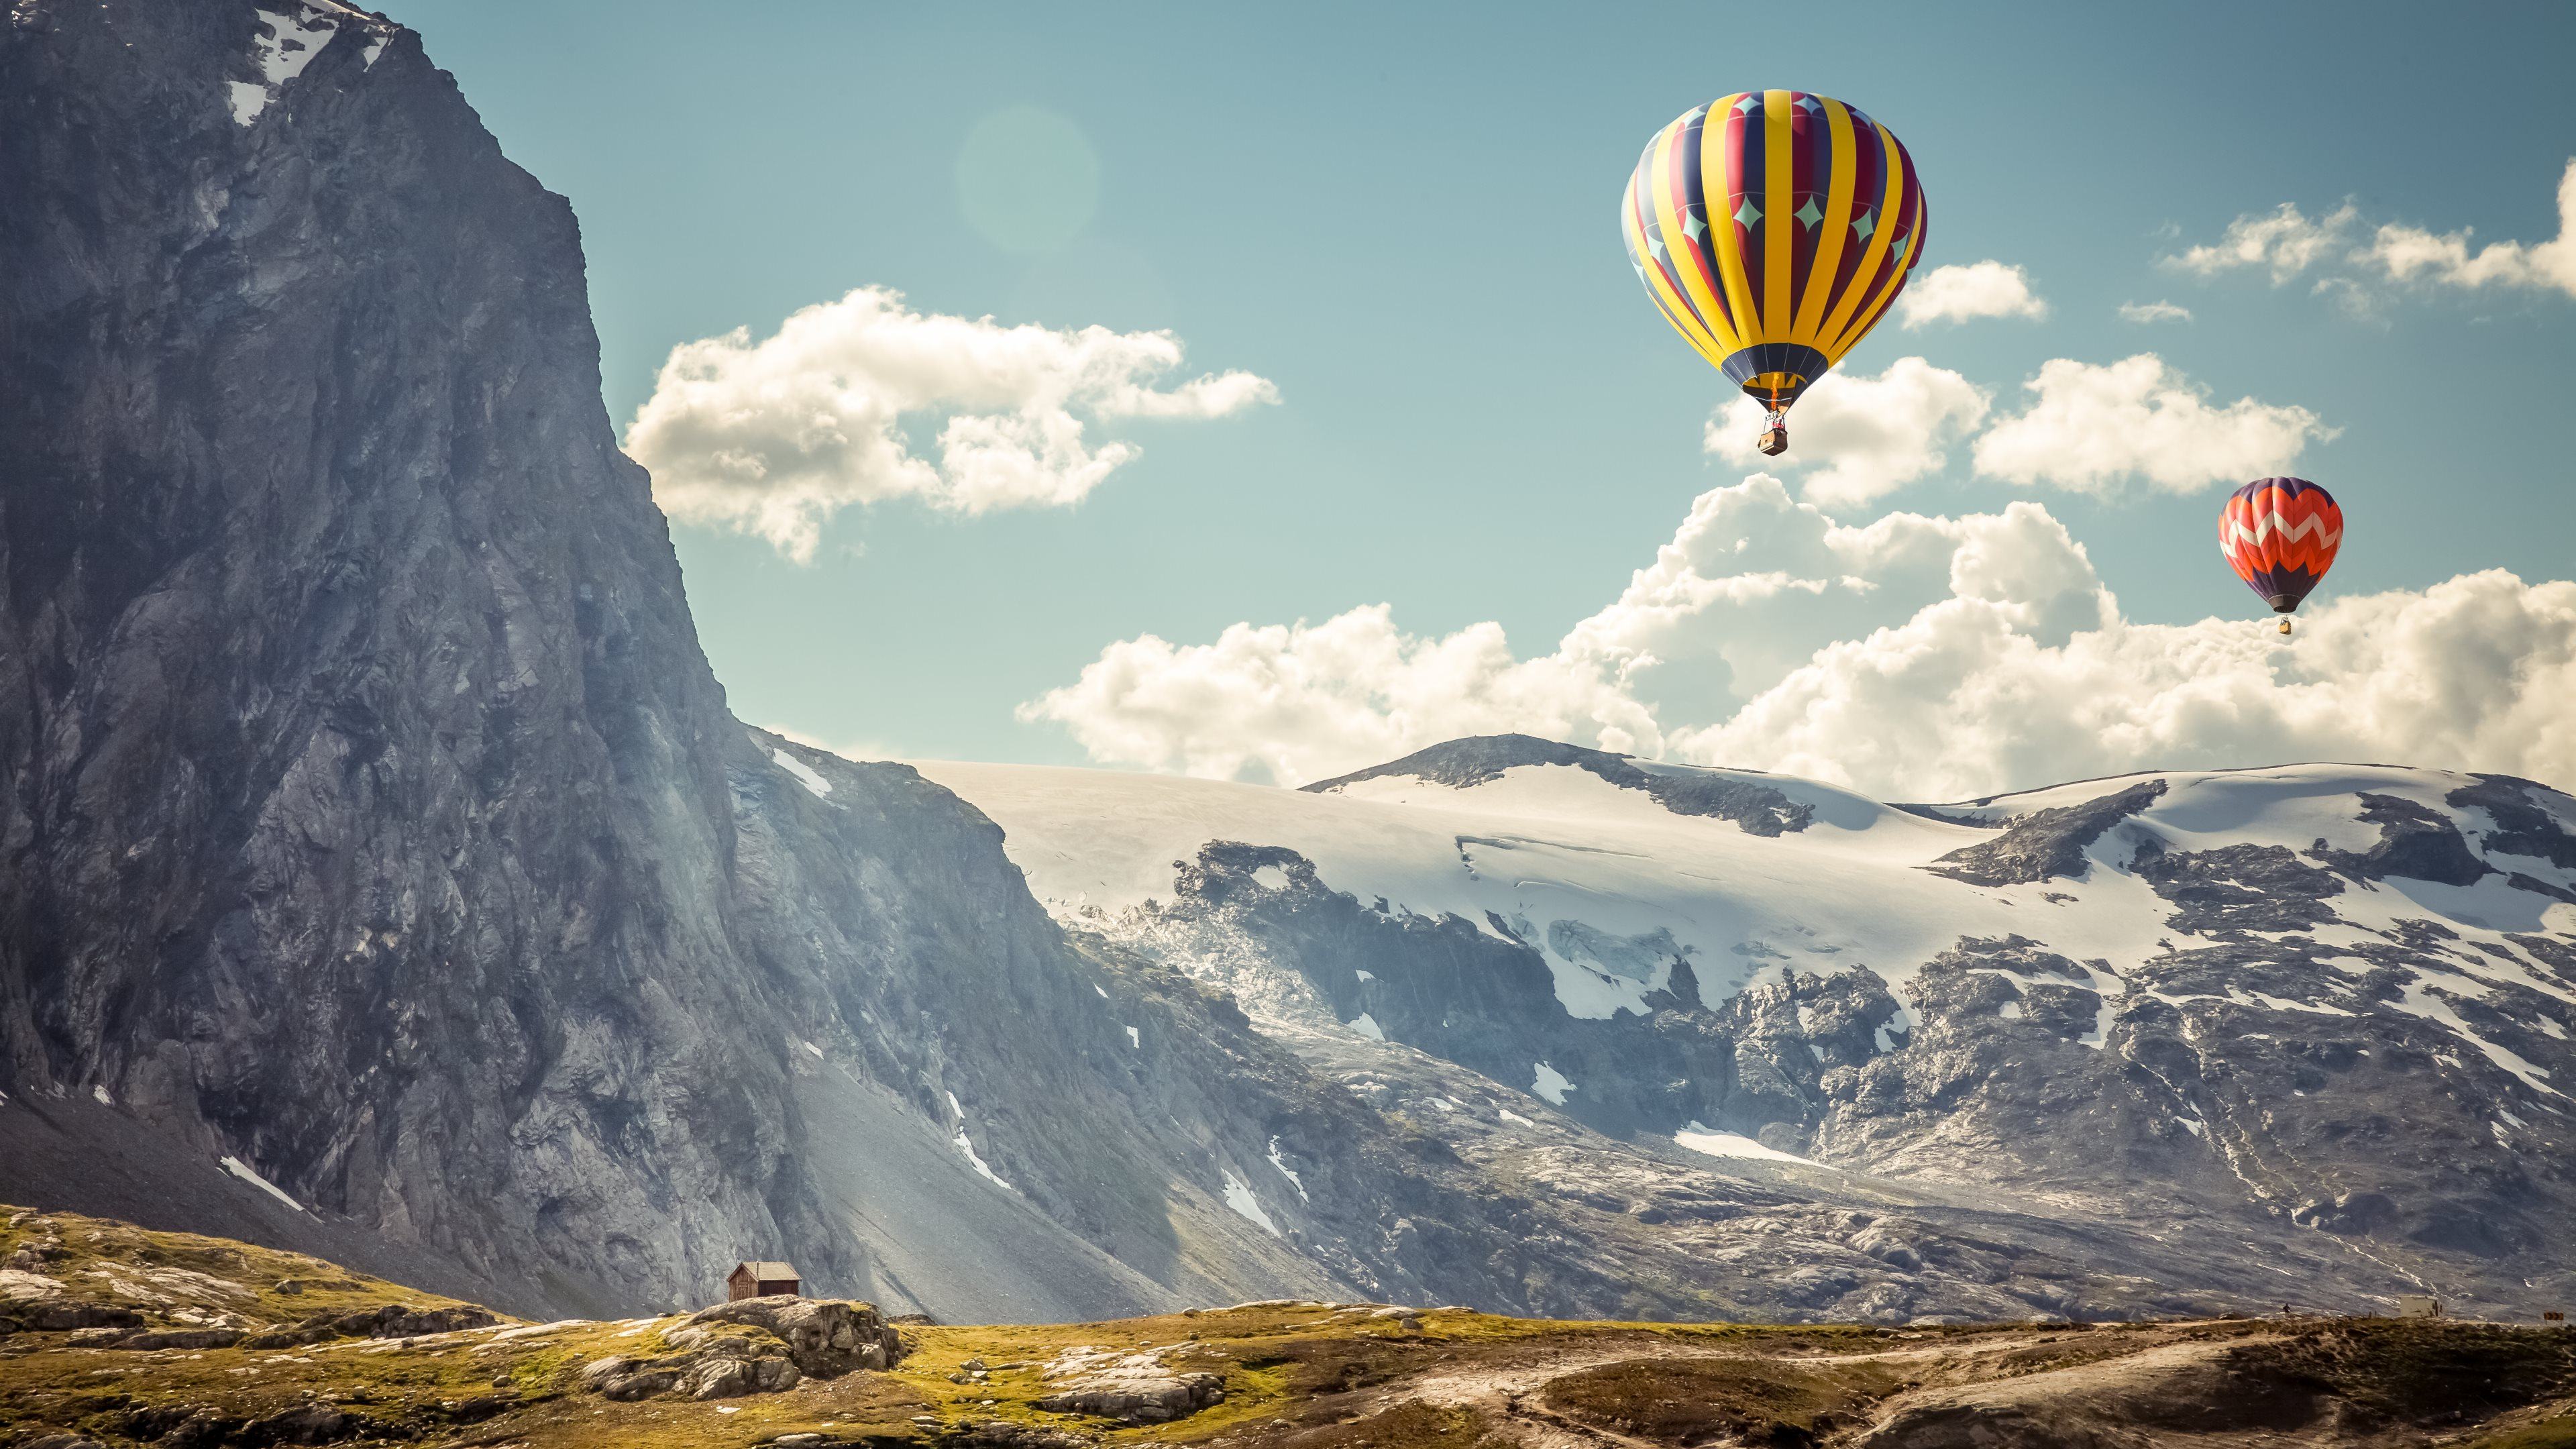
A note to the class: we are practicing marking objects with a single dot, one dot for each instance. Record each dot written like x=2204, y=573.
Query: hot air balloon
x=1772, y=229
x=2280, y=535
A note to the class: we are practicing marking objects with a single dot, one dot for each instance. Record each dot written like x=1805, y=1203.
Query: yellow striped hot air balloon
x=1772, y=229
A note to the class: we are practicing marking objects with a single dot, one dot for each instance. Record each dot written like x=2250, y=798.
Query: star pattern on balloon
x=1747, y=214
x=1748, y=105
x=1810, y=104
x=1809, y=214
x=1866, y=224
x=1693, y=225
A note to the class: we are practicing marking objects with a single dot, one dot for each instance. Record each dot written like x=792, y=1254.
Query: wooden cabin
x=759, y=1280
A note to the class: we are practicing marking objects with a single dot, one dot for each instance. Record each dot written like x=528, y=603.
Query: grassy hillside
x=117, y=1336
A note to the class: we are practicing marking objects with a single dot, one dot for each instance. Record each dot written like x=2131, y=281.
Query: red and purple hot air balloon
x=2280, y=535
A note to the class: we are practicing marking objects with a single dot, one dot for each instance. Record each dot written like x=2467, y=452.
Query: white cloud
x=2470, y=674
x=2406, y=253
x=1912, y=657
x=1963, y=293
x=2093, y=427
x=774, y=437
x=1753, y=584
x=1301, y=701
x=1864, y=436
x=2154, y=312
x=2283, y=240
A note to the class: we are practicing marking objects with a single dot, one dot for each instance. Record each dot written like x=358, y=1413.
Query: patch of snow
x=975, y=1160
x=288, y=41
x=2508, y=1117
x=242, y=1170
x=1366, y=1025
x=2282, y=1004
x=1701, y=1140
x=1511, y=1116
x=1270, y=878
x=1135, y=1042
x=249, y=99
x=2192, y=1125
x=2420, y=998
x=1238, y=1196
x=1552, y=1085
x=1103, y=990
x=810, y=1048
x=100, y=1092
x=375, y=47
x=2009, y=1011
x=1290, y=1173
x=1365, y=975
x=815, y=785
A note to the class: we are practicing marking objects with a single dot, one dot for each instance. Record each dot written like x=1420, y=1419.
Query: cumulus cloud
x=2284, y=241
x=2405, y=253
x=2154, y=312
x=2466, y=674
x=774, y=437
x=1861, y=437
x=1963, y=293
x=2092, y=428
x=1302, y=701
x=1912, y=657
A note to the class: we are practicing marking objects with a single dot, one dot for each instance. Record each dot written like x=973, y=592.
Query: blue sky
x=1403, y=218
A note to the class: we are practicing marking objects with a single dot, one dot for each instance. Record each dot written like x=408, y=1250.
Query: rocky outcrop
x=390, y=1321
x=1134, y=1388
x=826, y=1339
x=2047, y=844
x=1761, y=809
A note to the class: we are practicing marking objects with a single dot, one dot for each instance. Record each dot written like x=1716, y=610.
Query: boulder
x=825, y=1337
x=1136, y=1387
x=720, y=1378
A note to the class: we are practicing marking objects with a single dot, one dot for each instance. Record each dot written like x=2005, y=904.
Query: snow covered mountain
x=2312, y=1019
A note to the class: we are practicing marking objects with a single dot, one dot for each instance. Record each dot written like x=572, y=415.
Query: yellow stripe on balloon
x=1779, y=198
x=1837, y=335
x=1669, y=214
x=1835, y=225
x=1721, y=229
x=1885, y=293
x=1674, y=308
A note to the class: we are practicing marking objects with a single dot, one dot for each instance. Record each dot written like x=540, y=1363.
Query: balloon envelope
x=1772, y=229
x=2280, y=535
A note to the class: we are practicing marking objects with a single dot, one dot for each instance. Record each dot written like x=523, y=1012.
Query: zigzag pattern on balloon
x=2280, y=535
x=2267, y=524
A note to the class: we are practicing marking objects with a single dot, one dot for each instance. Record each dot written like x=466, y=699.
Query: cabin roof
x=763, y=1271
